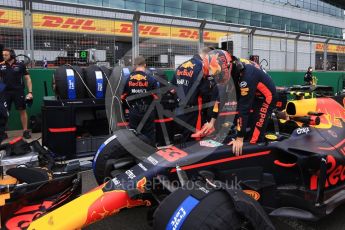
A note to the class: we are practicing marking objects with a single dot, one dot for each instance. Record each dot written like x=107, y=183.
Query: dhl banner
x=11, y=18
x=50, y=22
x=330, y=48
x=118, y=28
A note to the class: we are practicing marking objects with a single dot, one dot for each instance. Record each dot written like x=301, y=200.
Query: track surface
x=135, y=219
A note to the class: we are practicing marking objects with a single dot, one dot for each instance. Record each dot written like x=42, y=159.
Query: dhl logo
x=11, y=18
x=330, y=48
x=138, y=77
x=67, y=23
x=127, y=28
x=187, y=65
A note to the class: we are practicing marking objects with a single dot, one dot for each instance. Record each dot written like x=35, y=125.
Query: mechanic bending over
x=193, y=89
x=255, y=90
x=13, y=72
x=140, y=81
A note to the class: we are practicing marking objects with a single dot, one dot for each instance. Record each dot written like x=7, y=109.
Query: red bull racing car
x=298, y=172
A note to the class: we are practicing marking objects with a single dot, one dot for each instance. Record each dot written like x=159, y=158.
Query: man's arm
x=28, y=85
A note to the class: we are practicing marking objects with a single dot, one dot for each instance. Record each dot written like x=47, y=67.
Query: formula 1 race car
x=31, y=183
x=298, y=172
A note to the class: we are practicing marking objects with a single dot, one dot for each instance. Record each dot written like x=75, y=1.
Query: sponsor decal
x=116, y=181
x=204, y=190
x=142, y=167
x=138, y=84
x=188, y=65
x=330, y=48
x=210, y=143
x=244, y=91
x=152, y=160
x=11, y=18
x=141, y=184
x=81, y=24
x=182, y=82
x=130, y=174
x=334, y=112
x=243, y=84
x=137, y=91
x=72, y=94
x=138, y=77
x=335, y=174
x=253, y=194
x=262, y=115
x=304, y=130
x=181, y=213
x=185, y=72
x=172, y=153
x=109, y=203
x=332, y=133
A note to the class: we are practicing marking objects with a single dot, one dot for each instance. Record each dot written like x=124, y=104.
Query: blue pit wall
x=41, y=76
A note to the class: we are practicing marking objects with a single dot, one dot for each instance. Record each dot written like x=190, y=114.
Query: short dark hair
x=7, y=49
x=207, y=49
x=140, y=60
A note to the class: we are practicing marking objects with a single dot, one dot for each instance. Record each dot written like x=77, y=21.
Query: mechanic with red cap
x=255, y=90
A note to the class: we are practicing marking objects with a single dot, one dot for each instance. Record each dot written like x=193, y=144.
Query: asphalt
x=136, y=218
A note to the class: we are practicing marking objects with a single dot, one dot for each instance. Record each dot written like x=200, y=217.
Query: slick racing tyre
x=119, y=153
x=215, y=211
x=68, y=86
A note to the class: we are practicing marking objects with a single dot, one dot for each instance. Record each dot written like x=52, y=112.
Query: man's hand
x=29, y=96
x=237, y=145
x=206, y=129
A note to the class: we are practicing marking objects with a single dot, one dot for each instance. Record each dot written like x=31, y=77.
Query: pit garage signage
x=330, y=48
x=52, y=22
x=118, y=28
x=11, y=18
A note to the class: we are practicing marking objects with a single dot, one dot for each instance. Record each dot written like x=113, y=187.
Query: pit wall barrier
x=44, y=76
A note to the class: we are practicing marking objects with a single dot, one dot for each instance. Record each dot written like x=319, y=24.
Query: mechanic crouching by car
x=255, y=91
x=191, y=87
x=13, y=73
x=140, y=82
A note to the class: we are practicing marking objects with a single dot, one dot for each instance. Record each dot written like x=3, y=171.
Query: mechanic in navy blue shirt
x=255, y=90
x=140, y=82
x=193, y=89
x=13, y=74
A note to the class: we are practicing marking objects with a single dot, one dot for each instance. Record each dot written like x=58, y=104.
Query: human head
x=139, y=62
x=204, y=51
x=310, y=69
x=8, y=54
x=218, y=64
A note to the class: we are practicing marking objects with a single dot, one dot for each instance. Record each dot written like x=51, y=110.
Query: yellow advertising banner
x=330, y=48
x=119, y=28
x=11, y=18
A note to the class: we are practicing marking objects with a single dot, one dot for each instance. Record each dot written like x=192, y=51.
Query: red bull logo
x=335, y=174
x=110, y=203
x=138, y=77
x=138, y=84
x=333, y=111
x=188, y=65
x=141, y=184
